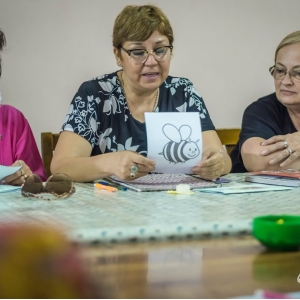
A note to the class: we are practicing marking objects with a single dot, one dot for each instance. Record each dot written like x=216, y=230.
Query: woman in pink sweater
x=17, y=143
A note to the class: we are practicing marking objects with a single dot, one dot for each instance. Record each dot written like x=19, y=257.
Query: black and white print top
x=99, y=113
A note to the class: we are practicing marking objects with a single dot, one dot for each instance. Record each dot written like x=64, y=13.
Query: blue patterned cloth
x=99, y=113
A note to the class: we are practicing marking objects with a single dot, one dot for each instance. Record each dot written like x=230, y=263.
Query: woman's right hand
x=72, y=156
x=19, y=177
x=122, y=161
x=288, y=145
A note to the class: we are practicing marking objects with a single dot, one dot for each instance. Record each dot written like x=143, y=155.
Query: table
x=159, y=245
x=98, y=216
x=221, y=267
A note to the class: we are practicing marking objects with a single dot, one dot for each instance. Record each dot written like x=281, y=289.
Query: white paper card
x=244, y=188
x=174, y=141
x=5, y=171
x=8, y=188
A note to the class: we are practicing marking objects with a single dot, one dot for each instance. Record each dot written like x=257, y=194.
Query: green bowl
x=278, y=232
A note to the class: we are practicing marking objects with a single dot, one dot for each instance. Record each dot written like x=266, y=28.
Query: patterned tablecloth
x=98, y=216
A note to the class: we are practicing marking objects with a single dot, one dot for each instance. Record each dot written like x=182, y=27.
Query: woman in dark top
x=104, y=132
x=270, y=138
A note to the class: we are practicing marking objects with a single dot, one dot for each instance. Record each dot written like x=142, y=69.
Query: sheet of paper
x=8, y=188
x=174, y=141
x=243, y=188
x=5, y=171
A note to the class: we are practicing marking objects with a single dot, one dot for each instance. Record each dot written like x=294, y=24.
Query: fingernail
x=262, y=143
x=264, y=152
x=272, y=162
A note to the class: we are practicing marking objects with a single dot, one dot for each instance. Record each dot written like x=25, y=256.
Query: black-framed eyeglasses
x=279, y=72
x=139, y=56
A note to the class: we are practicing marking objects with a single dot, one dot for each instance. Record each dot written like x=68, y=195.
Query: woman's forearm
x=83, y=169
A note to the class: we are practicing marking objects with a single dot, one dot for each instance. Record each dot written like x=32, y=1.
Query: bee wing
x=185, y=132
x=172, y=133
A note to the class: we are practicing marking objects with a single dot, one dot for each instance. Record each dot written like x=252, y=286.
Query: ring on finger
x=290, y=151
x=285, y=144
x=22, y=172
x=134, y=168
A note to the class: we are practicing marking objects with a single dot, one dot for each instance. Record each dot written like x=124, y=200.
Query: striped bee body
x=180, y=148
x=174, y=152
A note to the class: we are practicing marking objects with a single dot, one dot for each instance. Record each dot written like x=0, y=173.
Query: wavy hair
x=292, y=38
x=137, y=23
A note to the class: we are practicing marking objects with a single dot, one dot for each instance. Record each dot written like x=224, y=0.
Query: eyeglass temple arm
x=271, y=69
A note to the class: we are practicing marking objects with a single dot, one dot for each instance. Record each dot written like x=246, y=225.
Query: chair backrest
x=229, y=137
x=48, y=143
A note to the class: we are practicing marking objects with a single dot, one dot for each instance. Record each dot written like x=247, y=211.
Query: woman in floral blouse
x=104, y=132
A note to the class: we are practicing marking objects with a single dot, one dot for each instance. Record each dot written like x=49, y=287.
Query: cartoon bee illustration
x=180, y=148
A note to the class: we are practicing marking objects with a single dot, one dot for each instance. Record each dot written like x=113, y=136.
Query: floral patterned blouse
x=99, y=113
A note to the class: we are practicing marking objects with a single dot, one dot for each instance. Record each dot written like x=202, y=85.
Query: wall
x=224, y=47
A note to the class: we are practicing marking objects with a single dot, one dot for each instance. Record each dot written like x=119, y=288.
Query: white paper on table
x=5, y=171
x=4, y=188
x=174, y=141
x=244, y=188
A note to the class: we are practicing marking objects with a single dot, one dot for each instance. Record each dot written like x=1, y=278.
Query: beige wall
x=224, y=47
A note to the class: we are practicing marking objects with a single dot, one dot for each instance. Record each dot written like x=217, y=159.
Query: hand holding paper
x=6, y=171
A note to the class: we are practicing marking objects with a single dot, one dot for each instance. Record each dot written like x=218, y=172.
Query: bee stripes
x=173, y=152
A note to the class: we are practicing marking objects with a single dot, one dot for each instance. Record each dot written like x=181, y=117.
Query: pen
x=105, y=187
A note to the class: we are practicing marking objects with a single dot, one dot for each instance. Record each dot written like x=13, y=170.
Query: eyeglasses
x=280, y=72
x=139, y=56
x=58, y=185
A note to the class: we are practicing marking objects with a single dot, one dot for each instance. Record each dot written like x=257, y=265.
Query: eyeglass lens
x=58, y=184
x=33, y=185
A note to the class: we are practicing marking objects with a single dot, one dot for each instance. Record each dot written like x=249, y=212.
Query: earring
x=119, y=63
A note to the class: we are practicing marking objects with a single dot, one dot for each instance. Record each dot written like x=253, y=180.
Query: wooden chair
x=48, y=142
x=229, y=137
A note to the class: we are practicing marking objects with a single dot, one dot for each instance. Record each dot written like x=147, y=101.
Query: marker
x=105, y=187
x=122, y=188
x=103, y=182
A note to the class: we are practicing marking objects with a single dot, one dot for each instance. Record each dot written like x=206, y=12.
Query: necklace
x=156, y=96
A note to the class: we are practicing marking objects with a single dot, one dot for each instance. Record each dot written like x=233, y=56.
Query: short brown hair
x=292, y=38
x=137, y=23
x=2, y=45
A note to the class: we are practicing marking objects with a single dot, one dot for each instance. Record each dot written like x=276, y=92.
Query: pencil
x=105, y=187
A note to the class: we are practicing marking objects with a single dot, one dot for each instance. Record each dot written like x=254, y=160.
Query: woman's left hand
x=289, y=144
x=19, y=177
x=212, y=165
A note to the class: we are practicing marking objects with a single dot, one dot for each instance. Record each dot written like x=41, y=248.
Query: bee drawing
x=180, y=148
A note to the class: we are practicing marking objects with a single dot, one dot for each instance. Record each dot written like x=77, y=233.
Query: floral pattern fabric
x=99, y=113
